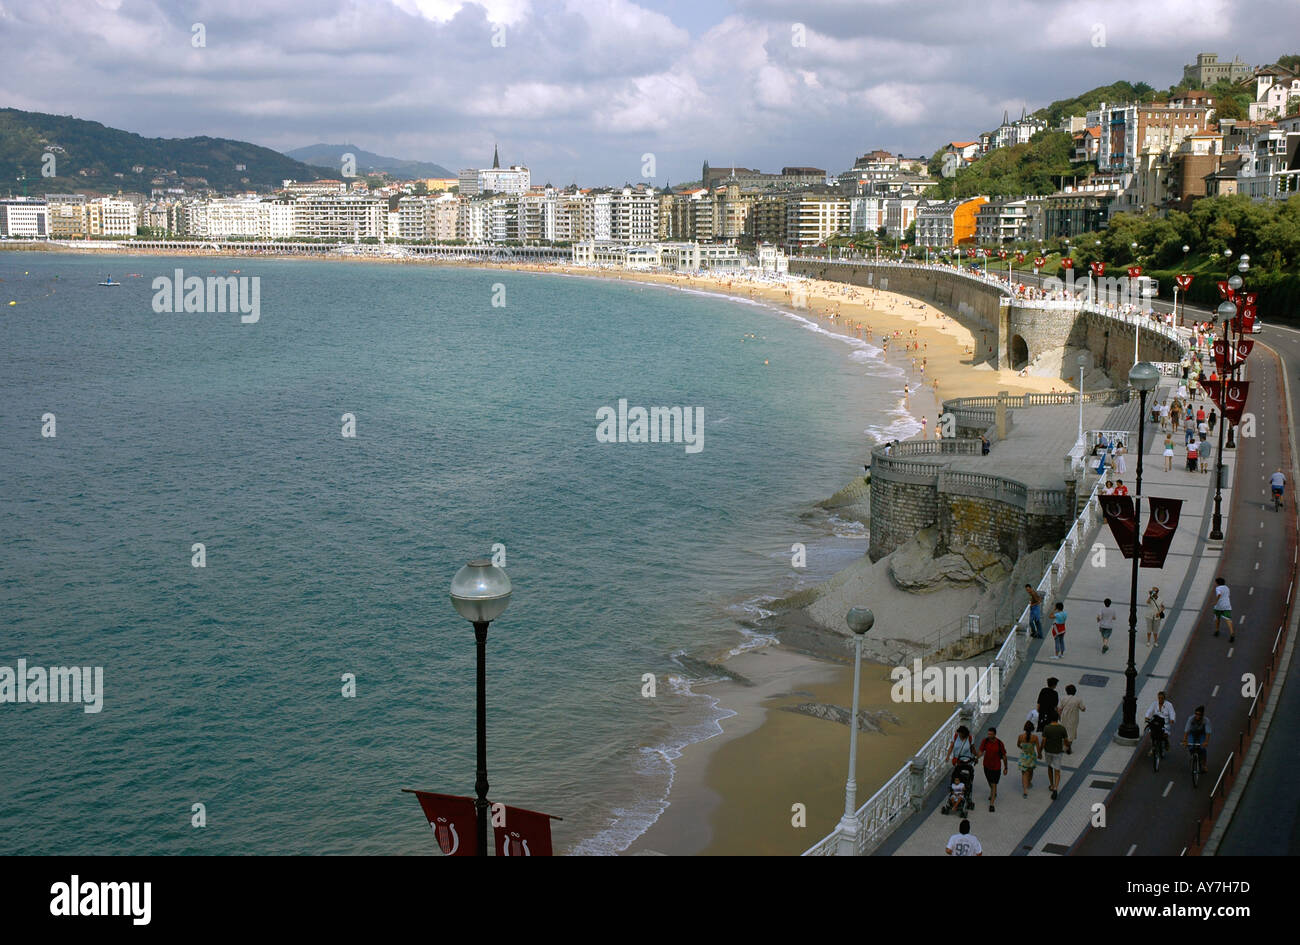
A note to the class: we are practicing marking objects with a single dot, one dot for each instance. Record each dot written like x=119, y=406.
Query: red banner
x=1244, y=347
x=1183, y=280
x=1229, y=396
x=1067, y=262
x=1039, y=261
x=1159, y=533
x=453, y=821
x=1220, y=357
x=1225, y=291
x=1250, y=298
x=1134, y=271
x=1020, y=257
x=1002, y=254
x=1118, y=512
x=1098, y=268
x=525, y=833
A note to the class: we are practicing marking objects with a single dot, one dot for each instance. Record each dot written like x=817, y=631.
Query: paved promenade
x=1037, y=824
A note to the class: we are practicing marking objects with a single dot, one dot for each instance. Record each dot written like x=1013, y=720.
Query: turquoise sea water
x=328, y=555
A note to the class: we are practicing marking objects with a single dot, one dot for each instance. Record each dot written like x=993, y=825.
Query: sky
x=604, y=92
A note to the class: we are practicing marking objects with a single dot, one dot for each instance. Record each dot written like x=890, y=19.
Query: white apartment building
x=468, y=181
x=1272, y=170
x=602, y=217
x=231, y=216
x=442, y=215
x=866, y=214
x=811, y=219
x=472, y=221
x=21, y=218
x=349, y=217
x=1005, y=221
x=117, y=217
x=412, y=218
x=504, y=180
x=635, y=215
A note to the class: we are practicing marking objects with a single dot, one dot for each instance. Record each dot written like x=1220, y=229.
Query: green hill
x=91, y=156
x=1033, y=168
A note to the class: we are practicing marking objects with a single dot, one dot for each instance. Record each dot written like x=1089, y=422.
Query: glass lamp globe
x=1144, y=376
x=860, y=620
x=1227, y=309
x=480, y=592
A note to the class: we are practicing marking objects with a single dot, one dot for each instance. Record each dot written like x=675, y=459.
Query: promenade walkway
x=1038, y=825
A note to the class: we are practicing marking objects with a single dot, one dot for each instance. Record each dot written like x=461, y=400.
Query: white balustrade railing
x=905, y=792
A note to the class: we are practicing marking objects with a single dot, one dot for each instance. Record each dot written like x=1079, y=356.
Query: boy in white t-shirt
x=1223, y=608
x=964, y=843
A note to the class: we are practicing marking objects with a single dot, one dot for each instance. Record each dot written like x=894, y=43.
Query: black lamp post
x=480, y=593
x=1227, y=311
x=1143, y=377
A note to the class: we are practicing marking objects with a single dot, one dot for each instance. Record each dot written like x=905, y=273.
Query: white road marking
x=1131, y=849
x=1168, y=787
x=1215, y=692
x=1256, y=565
x=1230, y=649
x=1252, y=590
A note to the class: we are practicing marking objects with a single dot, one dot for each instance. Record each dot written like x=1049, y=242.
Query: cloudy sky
x=582, y=89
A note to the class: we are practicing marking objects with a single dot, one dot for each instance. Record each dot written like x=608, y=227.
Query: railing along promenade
x=905, y=792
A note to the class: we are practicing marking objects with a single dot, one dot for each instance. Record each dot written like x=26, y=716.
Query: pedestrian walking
x=963, y=842
x=1035, y=612
x=1169, y=452
x=1028, y=745
x=1055, y=740
x=1106, y=623
x=1058, y=631
x=1069, y=709
x=1203, y=450
x=1223, y=608
x=1155, y=614
x=1121, y=461
x=1212, y=419
x=994, y=757
x=1048, y=699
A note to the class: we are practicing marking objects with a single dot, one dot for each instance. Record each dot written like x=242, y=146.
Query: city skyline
x=583, y=92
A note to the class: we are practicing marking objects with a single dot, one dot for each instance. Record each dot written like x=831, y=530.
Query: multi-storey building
x=900, y=212
x=117, y=217
x=314, y=188
x=24, y=219
x=1127, y=130
x=472, y=221
x=949, y=223
x=812, y=218
x=1080, y=208
x=634, y=214
x=866, y=214
x=349, y=217
x=1207, y=70
x=768, y=219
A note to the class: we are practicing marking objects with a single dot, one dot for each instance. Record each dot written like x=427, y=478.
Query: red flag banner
x=1225, y=291
x=1098, y=268
x=1040, y=261
x=1134, y=271
x=1020, y=257
x=1183, y=280
x=1118, y=512
x=1234, y=399
x=1245, y=324
x=1220, y=357
x=1159, y=533
x=1211, y=385
x=453, y=821
x=1244, y=347
x=524, y=833
x=1067, y=262
x=1250, y=298
x=1002, y=254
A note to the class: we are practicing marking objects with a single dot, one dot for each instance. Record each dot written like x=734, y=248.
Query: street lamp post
x=860, y=620
x=480, y=593
x=1143, y=377
x=1227, y=311
x=1083, y=360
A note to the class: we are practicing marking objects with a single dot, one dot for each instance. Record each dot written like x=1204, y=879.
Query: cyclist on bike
x=1196, y=733
x=1165, y=709
x=1278, y=482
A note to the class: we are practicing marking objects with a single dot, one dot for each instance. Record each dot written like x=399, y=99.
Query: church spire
x=496, y=160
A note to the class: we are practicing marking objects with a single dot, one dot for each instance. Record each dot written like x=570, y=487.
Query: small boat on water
x=110, y=282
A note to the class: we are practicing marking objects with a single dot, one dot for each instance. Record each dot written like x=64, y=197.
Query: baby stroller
x=963, y=802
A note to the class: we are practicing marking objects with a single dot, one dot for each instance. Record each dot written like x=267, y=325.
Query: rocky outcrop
x=916, y=568
x=867, y=721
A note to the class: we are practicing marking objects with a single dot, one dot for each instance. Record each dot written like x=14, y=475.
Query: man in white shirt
x=1163, y=708
x=964, y=842
x=1223, y=608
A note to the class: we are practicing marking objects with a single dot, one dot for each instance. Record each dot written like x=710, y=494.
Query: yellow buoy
x=13, y=303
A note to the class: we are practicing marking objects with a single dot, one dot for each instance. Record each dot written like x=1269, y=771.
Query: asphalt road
x=1155, y=813
x=1267, y=820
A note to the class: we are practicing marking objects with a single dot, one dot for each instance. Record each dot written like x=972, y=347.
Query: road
x=1267, y=821
x=1155, y=813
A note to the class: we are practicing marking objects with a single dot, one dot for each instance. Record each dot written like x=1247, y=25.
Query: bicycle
x=1195, y=749
x=1277, y=500
x=1155, y=725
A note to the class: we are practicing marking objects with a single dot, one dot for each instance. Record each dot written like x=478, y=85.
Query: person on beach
x=1155, y=614
x=1223, y=608
x=1035, y=612
x=1055, y=741
x=1106, y=623
x=1069, y=711
x=994, y=756
x=963, y=842
x=1058, y=631
x=1028, y=744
